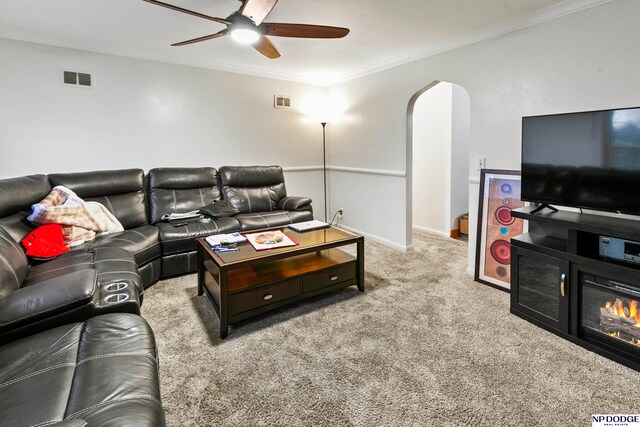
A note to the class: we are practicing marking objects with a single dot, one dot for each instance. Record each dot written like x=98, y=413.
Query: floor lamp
x=324, y=166
x=324, y=109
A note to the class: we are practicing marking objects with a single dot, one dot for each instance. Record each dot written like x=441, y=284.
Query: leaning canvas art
x=499, y=194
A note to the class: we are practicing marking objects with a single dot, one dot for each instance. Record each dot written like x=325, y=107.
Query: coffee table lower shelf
x=240, y=293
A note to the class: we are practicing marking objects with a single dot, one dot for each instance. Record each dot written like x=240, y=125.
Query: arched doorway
x=437, y=158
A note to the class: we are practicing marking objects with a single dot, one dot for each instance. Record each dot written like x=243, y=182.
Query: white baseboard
x=430, y=230
x=378, y=239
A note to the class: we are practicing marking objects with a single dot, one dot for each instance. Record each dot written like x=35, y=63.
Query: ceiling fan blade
x=187, y=11
x=265, y=47
x=257, y=10
x=305, y=31
x=203, y=38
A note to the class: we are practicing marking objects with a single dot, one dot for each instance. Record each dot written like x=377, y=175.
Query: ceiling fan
x=246, y=26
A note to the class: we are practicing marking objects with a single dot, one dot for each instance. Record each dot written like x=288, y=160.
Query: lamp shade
x=322, y=107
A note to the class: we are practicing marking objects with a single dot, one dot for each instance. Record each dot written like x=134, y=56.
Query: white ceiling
x=384, y=33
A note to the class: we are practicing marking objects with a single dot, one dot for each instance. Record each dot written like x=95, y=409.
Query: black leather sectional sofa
x=72, y=346
x=258, y=192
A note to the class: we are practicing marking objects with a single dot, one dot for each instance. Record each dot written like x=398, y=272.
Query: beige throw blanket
x=80, y=220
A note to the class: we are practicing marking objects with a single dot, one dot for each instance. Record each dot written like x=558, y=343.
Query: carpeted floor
x=424, y=345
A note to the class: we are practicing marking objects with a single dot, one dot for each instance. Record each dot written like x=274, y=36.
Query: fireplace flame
x=619, y=320
x=633, y=304
x=617, y=308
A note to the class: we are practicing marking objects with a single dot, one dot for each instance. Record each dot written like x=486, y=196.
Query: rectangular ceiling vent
x=73, y=78
x=280, y=101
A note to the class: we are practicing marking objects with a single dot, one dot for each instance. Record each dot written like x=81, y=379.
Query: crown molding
x=151, y=55
x=549, y=13
x=564, y=8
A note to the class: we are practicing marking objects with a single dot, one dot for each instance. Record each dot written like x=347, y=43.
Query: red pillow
x=45, y=242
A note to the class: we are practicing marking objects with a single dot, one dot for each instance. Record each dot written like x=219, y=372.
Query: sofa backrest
x=120, y=191
x=17, y=195
x=252, y=188
x=13, y=264
x=180, y=190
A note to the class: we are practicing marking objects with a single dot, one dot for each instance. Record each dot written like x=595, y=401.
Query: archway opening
x=438, y=127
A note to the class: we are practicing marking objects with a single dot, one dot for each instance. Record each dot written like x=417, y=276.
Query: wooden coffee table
x=248, y=282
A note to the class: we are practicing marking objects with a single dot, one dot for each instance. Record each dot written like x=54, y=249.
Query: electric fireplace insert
x=610, y=314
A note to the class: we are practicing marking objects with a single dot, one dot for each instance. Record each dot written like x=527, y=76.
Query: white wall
x=147, y=114
x=460, y=143
x=432, y=129
x=583, y=61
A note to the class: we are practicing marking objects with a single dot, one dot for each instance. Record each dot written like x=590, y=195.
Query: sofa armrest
x=49, y=298
x=294, y=203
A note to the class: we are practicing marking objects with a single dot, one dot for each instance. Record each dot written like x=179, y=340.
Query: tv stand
x=542, y=207
x=560, y=282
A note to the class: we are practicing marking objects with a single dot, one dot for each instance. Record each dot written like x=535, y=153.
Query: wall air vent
x=280, y=101
x=73, y=78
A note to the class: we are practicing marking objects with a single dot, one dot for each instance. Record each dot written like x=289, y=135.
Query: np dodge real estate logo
x=615, y=421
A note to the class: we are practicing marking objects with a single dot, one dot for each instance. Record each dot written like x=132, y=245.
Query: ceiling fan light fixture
x=245, y=35
x=247, y=26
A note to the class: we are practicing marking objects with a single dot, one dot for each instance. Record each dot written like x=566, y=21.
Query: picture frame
x=499, y=194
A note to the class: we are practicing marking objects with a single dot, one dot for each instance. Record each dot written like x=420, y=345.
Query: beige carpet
x=424, y=345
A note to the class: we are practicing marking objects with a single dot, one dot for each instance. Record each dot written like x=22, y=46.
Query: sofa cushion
x=30, y=304
x=103, y=371
x=120, y=191
x=252, y=188
x=218, y=209
x=257, y=221
x=18, y=194
x=141, y=242
x=111, y=265
x=183, y=239
x=60, y=266
x=13, y=264
x=37, y=376
x=16, y=197
x=180, y=190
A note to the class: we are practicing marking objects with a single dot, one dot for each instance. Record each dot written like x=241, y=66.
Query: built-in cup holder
x=116, y=298
x=118, y=286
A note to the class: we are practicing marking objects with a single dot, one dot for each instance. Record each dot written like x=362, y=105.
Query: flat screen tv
x=586, y=160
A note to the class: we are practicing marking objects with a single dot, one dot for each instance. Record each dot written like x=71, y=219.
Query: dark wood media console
x=559, y=281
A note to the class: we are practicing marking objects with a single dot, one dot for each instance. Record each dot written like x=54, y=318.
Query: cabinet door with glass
x=540, y=287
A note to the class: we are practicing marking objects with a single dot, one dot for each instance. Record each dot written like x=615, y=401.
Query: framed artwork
x=499, y=194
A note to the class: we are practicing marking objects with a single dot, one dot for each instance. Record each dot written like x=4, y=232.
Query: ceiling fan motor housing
x=239, y=21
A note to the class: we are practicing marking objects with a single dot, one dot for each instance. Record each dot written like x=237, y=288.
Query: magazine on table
x=225, y=239
x=269, y=240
